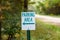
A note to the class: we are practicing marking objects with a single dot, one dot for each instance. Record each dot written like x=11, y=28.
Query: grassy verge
x=45, y=31
x=58, y=16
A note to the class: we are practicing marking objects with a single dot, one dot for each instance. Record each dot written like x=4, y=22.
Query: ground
x=49, y=19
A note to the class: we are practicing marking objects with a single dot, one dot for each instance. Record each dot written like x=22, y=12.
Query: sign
x=28, y=20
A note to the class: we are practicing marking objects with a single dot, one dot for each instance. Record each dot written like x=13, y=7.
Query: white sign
x=28, y=20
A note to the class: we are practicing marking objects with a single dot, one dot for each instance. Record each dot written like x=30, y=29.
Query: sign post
x=28, y=22
x=28, y=35
x=25, y=10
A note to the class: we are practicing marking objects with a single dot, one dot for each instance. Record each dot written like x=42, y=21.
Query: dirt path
x=49, y=19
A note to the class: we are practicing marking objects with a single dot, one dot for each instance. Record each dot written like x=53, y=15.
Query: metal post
x=25, y=10
x=28, y=34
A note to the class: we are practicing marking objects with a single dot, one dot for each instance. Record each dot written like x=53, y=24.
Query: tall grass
x=45, y=31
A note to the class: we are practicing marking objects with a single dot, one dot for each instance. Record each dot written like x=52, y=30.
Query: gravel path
x=49, y=19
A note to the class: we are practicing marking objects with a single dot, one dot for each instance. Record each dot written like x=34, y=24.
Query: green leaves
x=12, y=16
x=31, y=2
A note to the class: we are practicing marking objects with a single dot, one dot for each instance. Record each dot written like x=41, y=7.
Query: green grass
x=58, y=16
x=43, y=32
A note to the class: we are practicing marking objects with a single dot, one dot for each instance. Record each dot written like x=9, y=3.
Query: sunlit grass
x=43, y=32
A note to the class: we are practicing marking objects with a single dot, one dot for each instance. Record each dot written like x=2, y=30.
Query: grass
x=58, y=16
x=43, y=32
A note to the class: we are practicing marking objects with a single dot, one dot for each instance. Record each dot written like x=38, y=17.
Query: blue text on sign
x=28, y=14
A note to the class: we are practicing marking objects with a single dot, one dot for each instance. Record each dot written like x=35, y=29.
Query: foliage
x=11, y=11
x=11, y=14
x=49, y=6
x=46, y=31
x=55, y=9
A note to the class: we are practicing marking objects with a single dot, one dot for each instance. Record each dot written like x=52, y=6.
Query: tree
x=53, y=7
x=11, y=10
x=49, y=7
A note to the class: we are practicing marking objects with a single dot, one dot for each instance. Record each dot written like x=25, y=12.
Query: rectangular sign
x=28, y=20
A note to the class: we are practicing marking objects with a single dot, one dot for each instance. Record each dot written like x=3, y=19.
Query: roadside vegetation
x=48, y=7
x=45, y=31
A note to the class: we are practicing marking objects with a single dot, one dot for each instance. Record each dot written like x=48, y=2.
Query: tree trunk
x=0, y=29
x=0, y=24
x=25, y=5
x=11, y=37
